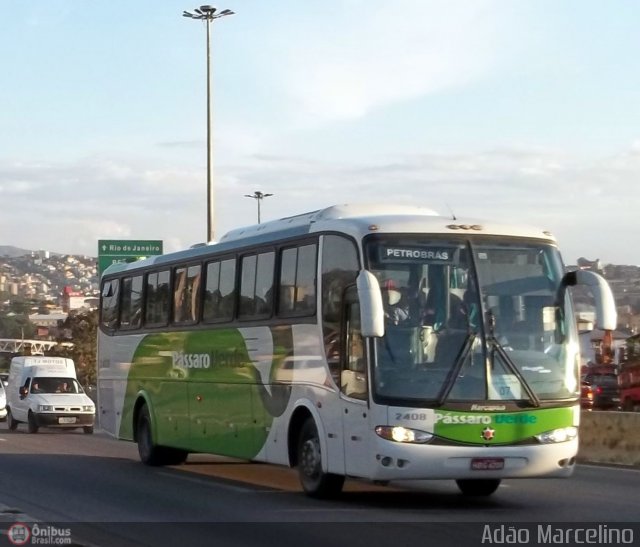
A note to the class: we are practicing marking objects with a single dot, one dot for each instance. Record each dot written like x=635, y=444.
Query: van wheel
x=478, y=487
x=12, y=423
x=32, y=425
x=315, y=482
x=88, y=429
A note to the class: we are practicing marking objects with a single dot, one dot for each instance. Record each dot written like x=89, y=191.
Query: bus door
x=354, y=390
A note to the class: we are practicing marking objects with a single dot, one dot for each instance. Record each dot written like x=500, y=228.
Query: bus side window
x=186, y=298
x=109, y=305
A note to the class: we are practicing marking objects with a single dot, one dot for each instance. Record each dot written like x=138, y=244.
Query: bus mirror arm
x=606, y=315
x=371, y=308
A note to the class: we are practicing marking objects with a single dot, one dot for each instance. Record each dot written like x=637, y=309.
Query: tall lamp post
x=208, y=14
x=258, y=196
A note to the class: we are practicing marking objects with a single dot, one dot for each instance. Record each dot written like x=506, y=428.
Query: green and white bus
x=279, y=344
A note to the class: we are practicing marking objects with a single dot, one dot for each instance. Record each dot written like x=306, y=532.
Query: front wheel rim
x=310, y=458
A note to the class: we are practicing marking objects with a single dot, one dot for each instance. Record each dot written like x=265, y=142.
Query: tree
x=81, y=330
x=16, y=326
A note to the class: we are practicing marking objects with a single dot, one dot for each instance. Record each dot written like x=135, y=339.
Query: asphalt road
x=96, y=487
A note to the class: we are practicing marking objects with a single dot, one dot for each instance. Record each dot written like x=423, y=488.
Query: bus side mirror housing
x=606, y=314
x=371, y=308
x=23, y=391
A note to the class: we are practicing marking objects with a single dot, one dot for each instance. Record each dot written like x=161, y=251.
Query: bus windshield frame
x=471, y=319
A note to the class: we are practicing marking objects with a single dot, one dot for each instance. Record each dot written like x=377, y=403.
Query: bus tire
x=150, y=454
x=153, y=454
x=478, y=487
x=315, y=482
x=12, y=423
x=32, y=425
x=88, y=429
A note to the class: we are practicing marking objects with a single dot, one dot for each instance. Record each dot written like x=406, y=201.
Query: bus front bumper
x=400, y=461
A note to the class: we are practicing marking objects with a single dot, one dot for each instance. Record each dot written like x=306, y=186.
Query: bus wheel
x=150, y=453
x=32, y=426
x=12, y=423
x=478, y=487
x=88, y=429
x=315, y=482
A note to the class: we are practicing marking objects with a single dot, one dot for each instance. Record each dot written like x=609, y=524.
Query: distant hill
x=12, y=252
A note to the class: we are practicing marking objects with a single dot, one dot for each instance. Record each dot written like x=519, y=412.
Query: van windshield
x=49, y=384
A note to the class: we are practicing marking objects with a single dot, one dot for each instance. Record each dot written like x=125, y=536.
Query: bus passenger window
x=297, y=291
x=131, y=307
x=157, y=298
x=109, y=304
x=186, y=294
x=219, y=293
x=256, y=286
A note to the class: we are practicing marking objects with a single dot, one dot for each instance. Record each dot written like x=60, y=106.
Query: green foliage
x=16, y=326
x=80, y=329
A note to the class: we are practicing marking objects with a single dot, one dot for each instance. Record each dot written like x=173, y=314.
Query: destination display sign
x=404, y=254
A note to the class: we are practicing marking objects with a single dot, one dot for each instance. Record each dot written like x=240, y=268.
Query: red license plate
x=487, y=464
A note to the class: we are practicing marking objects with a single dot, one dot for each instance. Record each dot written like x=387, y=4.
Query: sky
x=512, y=110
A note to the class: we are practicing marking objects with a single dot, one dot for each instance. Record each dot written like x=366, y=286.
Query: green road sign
x=111, y=251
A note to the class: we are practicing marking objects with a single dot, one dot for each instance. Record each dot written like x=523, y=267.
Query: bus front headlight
x=45, y=408
x=401, y=434
x=88, y=408
x=560, y=435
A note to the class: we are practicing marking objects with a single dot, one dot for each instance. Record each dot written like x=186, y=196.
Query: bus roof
x=356, y=220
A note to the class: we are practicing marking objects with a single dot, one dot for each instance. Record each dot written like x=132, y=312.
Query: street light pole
x=209, y=14
x=258, y=196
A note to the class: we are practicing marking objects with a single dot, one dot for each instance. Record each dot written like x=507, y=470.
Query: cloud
x=589, y=203
x=368, y=55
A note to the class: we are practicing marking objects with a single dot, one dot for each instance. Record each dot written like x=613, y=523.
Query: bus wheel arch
x=299, y=417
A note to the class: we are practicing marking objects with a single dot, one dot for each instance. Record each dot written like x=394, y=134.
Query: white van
x=44, y=392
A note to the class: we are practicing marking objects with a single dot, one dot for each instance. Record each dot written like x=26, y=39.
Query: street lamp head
x=257, y=195
x=207, y=13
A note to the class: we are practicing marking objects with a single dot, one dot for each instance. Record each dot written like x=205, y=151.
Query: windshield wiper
x=455, y=370
x=496, y=347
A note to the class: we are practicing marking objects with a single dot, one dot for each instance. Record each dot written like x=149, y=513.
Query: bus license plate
x=487, y=464
x=68, y=420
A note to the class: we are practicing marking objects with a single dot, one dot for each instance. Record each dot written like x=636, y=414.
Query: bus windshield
x=471, y=320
